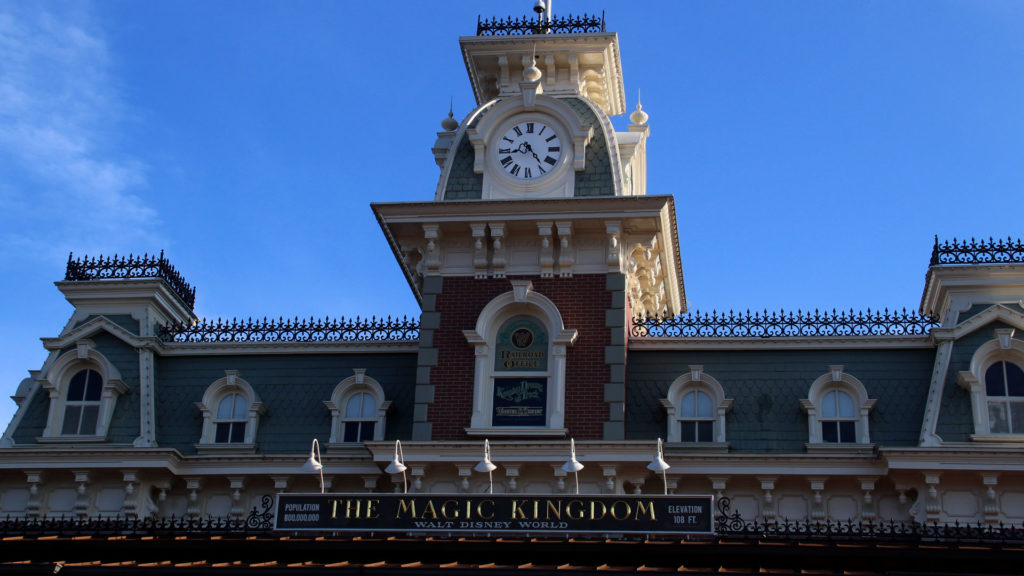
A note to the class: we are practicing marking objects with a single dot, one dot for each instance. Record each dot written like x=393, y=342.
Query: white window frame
x=230, y=383
x=1001, y=348
x=358, y=383
x=59, y=374
x=837, y=379
x=695, y=380
x=522, y=300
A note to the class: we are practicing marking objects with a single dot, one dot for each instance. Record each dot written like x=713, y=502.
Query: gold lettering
x=334, y=509
x=429, y=509
x=407, y=507
x=452, y=514
x=556, y=507
x=371, y=509
x=574, y=514
x=480, y=510
x=615, y=507
x=593, y=510
x=517, y=512
x=641, y=510
x=348, y=508
x=536, y=505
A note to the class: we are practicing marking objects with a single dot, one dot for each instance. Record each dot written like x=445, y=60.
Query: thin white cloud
x=68, y=185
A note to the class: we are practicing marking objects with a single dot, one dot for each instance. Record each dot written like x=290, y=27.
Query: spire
x=450, y=124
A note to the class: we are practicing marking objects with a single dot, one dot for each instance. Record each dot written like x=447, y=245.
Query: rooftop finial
x=638, y=117
x=450, y=124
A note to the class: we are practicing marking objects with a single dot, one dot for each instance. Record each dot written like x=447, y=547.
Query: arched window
x=519, y=373
x=837, y=407
x=83, y=387
x=996, y=385
x=82, y=403
x=231, y=419
x=696, y=417
x=696, y=407
x=358, y=409
x=1004, y=387
x=838, y=417
x=231, y=414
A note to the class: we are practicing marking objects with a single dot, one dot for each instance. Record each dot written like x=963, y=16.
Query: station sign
x=495, y=514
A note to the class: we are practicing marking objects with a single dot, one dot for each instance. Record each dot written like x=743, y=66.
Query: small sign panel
x=520, y=402
x=559, y=514
x=522, y=346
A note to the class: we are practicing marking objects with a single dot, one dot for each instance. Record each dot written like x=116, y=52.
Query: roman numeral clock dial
x=529, y=150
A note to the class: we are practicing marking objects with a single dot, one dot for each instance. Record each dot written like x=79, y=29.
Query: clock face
x=529, y=150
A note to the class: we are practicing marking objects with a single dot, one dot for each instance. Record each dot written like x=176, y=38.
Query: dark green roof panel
x=767, y=386
x=293, y=388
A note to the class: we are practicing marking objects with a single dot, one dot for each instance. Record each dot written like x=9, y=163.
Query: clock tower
x=541, y=242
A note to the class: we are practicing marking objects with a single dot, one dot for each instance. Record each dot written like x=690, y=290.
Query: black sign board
x=561, y=514
x=520, y=401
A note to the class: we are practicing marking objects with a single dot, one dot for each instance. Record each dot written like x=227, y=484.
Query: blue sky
x=814, y=148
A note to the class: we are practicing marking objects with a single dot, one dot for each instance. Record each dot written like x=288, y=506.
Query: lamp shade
x=572, y=465
x=312, y=465
x=397, y=465
x=658, y=464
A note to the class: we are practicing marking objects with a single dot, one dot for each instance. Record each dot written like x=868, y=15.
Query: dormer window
x=696, y=407
x=838, y=418
x=231, y=412
x=996, y=386
x=83, y=387
x=837, y=407
x=358, y=410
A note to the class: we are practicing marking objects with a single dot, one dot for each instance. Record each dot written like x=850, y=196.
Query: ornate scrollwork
x=371, y=329
x=780, y=324
x=978, y=252
x=144, y=266
x=262, y=520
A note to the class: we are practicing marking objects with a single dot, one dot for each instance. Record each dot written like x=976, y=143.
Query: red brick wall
x=582, y=301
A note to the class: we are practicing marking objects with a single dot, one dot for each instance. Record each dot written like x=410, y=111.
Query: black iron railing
x=732, y=525
x=122, y=268
x=371, y=329
x=989, y=251
x=536, y=25
x=781, y=324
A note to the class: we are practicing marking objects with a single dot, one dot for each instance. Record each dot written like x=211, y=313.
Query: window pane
x=88, y=424
x=225, y=407
x=1017, y=417
x=76, y=388
x=995, y=383
x=368, y=407
x=847, y=432
x=351, y=432
x=1014, y=380
x=703, y=405
x=72, y=414
x=240, y=408
x=94, y=386
x=353, y=407
x=688, y=407
x=688, y=431
x=223, y=434
x=830, y=432
x=237, y=432
x=997, y=421
x=705, y=430
x=828, y=405
x=845, y=404
x=366, y=431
